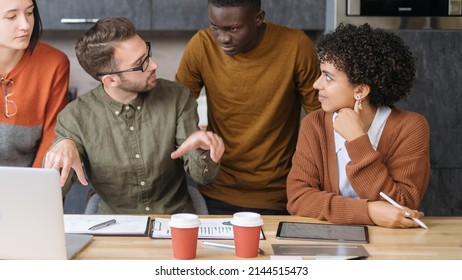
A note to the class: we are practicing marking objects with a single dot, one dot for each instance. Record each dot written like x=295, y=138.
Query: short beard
x=129, y=86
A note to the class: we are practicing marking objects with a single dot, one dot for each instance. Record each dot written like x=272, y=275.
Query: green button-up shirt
x=126, y=148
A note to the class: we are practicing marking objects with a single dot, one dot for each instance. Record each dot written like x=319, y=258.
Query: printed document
x=124, y=225
x=210, y=228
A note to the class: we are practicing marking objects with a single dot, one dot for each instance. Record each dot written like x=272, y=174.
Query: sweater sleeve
x=56, y=102
x=306, y=72
x=189, y=70
x=309, y=191
x=401, y=166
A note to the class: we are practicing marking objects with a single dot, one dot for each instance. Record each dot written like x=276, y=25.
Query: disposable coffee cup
x=184, y=228
x=246, y=228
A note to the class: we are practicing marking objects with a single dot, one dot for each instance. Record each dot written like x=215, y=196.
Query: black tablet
x=323, y=232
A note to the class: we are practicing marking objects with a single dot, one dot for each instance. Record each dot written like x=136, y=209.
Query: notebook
x=126, y=225
x=31, y=216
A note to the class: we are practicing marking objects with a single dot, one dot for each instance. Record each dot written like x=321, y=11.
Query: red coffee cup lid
x=184, y=220
x=247, y=219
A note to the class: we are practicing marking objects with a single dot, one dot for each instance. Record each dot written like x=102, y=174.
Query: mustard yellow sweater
x=254, y=101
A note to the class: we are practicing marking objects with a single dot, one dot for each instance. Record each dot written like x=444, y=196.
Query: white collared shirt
x=375, y=131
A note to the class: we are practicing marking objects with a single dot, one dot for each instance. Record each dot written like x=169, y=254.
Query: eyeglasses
x=142, y=67
x=8, y=91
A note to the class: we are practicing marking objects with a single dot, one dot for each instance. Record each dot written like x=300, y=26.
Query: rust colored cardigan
x=400, y=167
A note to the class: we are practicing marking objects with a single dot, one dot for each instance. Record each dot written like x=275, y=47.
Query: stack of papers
x=210, y=228
x=124, y=225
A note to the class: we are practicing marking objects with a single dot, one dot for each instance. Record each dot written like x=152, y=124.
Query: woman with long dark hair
x=34, y=84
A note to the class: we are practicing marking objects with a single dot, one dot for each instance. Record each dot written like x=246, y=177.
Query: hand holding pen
x=407, y=213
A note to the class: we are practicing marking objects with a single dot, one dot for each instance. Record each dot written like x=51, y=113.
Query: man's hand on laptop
x=63, y=156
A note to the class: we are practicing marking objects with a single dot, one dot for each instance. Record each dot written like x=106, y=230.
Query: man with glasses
x=131, y=131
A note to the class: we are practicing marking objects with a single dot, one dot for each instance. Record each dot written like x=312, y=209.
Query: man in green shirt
x=126, y=130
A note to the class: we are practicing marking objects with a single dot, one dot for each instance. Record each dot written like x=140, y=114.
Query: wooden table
x=442, y=241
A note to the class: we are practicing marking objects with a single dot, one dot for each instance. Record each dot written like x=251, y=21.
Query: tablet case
x=321, y=251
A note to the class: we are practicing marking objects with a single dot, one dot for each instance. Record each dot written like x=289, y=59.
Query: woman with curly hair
x=359, y=144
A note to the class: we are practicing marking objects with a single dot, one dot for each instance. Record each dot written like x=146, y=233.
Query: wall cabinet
x=170, y=15
x=301, y=14
x=192, y=14
x=436, y=95
x=81, y=14
x=179, y=14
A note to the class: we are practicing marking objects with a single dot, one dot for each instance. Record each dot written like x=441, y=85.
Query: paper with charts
x=210, y=228
x=125, y=224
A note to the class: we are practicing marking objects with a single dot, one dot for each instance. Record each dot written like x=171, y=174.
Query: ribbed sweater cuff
x=359, y=147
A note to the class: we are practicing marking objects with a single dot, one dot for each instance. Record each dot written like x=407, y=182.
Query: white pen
x=394, y=203
x=228, y=246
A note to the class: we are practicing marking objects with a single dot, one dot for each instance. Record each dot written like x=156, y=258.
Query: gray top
x=126, y=149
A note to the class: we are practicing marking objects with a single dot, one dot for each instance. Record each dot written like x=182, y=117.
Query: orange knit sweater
x=41, y=82
x=400, y=167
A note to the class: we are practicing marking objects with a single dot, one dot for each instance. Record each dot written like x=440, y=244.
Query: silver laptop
x=31, y=216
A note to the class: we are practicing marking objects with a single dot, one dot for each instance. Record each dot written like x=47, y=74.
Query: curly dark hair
x=255, y=4
x=373, y=57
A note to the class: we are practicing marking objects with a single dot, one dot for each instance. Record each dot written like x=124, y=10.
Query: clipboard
x=126, y=225
x=209, y=229
x=323, y=232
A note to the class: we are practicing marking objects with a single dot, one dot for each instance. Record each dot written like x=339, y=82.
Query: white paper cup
x=184, y=228
x=246, y=228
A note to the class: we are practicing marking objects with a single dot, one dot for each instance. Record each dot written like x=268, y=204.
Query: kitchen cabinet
x=81, y=14
x=170, y=15
x=301, y=14
x=192, y=14
x=437, y=95
x=186, y=15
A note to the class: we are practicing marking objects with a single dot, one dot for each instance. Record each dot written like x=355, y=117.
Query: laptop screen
x=31, y=214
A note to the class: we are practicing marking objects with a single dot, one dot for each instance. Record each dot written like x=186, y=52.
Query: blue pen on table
x=103, y=224
x=394, y=203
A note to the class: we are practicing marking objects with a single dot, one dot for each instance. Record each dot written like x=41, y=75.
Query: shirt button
x=204, y=156
x=139, y=107
x=137, y=155
x=142, y=183
x=117, y=112
x=127, y=108
x=147, y=208
x=132, y=128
